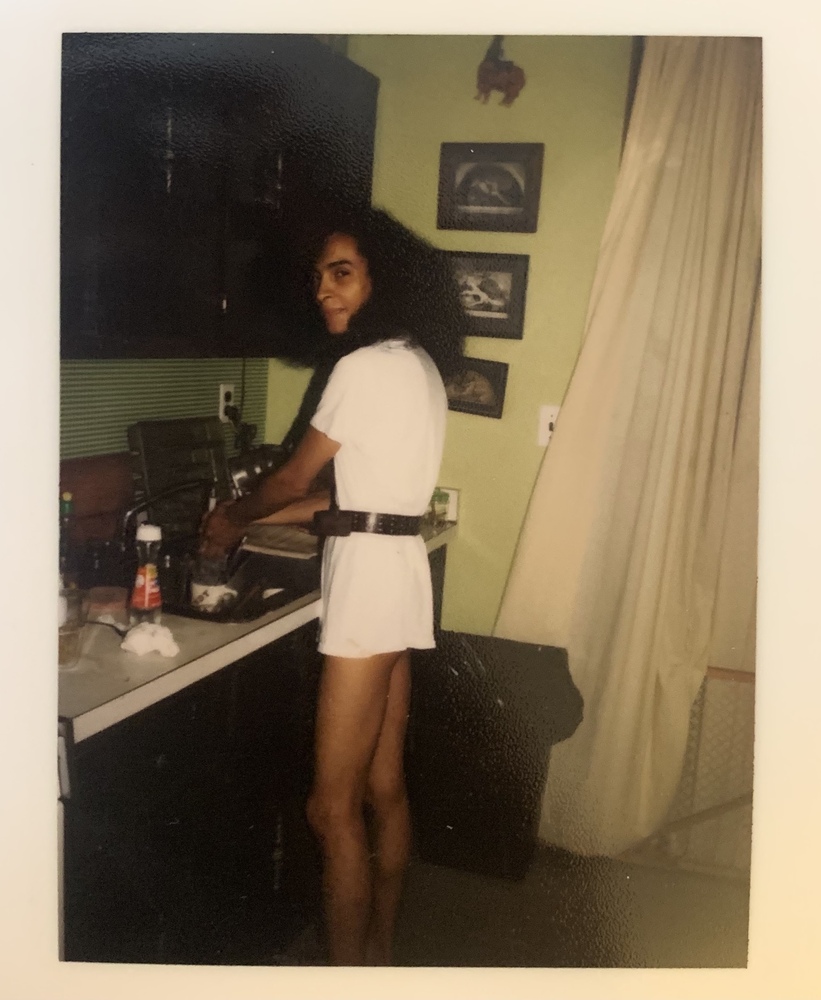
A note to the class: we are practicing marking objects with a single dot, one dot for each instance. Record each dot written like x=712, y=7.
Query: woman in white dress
x=392, y=309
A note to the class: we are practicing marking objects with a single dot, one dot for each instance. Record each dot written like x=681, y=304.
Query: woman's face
x=341, y=282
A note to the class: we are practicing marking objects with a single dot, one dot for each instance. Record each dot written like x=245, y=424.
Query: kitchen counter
x=108, y=685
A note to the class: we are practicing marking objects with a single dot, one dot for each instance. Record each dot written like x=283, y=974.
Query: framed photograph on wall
x=479, y=387
x=490, y=186
x=492, y=288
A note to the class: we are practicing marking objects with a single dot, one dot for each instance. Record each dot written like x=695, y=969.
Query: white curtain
x=644, y=510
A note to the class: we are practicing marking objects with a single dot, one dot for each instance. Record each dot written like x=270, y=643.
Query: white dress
x=386, y=407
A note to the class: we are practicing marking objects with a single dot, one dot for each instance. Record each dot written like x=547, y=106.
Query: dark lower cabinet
x=185, y=835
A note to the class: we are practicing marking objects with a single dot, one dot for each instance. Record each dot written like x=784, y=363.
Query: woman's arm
x=299, y=512
x=226, y=524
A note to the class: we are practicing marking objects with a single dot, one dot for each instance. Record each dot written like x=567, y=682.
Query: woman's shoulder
x=384, y=353
x=356, y=360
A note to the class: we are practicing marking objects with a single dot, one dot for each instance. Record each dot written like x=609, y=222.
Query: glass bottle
x=146, y=599
x=68, y=569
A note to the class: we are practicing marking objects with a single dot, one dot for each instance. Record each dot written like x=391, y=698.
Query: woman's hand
x=218, y=533
x=225, y=525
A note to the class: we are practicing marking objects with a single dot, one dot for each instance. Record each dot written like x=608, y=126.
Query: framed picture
x=490, y=186
x=492, y=288
x=478, y=388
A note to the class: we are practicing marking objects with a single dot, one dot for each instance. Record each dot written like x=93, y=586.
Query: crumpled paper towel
x=149, y=638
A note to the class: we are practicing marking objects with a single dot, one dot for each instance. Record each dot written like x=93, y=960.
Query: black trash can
x=485, y=713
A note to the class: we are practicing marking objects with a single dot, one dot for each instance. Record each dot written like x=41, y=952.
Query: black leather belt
x=343, y=522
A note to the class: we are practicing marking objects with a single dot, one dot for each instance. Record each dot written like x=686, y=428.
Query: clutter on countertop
x=148, y=637
x=71, y=616
x=108, y=605
x=211, y=597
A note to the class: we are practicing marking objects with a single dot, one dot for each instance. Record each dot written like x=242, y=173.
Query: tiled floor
x=566, y=912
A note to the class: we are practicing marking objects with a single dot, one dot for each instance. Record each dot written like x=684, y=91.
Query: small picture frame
x=490, y=186
x=492, y=288
x=478, y=388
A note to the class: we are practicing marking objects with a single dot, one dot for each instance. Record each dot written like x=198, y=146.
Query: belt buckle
x=371, y=521
x=336, y=523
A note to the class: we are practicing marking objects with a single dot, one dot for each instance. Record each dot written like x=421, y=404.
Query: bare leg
x=353, y=694
x=387, y=795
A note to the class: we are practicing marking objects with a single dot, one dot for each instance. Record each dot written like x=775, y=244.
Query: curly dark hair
x=414, y=294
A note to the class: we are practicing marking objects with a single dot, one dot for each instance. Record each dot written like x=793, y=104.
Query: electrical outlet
x=226, y=398
x=548, y=415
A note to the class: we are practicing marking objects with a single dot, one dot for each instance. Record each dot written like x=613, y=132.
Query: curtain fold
x=642, y=502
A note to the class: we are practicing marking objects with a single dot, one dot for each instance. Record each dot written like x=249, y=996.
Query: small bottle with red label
x=146, y=599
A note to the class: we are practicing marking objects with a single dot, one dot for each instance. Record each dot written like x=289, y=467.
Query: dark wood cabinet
x=185, y=834
x=185, y=161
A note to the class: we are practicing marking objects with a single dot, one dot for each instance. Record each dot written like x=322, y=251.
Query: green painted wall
x=99, y=399
x=574, y=103
x=285, y=388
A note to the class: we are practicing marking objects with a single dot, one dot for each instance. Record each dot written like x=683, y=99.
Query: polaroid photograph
x=191, y=166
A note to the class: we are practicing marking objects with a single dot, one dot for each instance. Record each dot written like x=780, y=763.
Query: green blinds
x=99, y=399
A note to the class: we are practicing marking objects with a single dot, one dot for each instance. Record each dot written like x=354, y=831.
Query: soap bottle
x=146, y=599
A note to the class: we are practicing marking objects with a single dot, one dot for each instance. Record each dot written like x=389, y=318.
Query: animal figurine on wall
x=497, y=73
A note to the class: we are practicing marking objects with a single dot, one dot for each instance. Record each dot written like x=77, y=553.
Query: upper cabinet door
x=143, y=165
x=307, y=132
x=181, y=157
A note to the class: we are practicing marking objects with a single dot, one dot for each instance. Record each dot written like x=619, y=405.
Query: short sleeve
x=336, y=413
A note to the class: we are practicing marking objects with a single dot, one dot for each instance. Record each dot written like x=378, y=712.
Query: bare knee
x=331, y=815
x=319, y=813
x=386, y=793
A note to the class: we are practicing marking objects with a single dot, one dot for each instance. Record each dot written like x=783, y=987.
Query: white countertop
x=108, y=685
